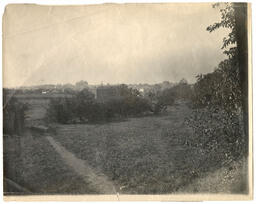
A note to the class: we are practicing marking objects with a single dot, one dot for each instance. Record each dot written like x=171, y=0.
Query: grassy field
x=38, y=168
x=146, y=155
x=140, y=155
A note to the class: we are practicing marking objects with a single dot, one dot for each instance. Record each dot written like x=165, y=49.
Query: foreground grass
x=140, y=155
x=147, y=155
x=39, y=169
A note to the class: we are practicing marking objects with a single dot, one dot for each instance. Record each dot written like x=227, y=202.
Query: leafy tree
x=235, y=45
x=232, y=72
x=227, y=86
x=85, y=105
x=227, y=21
x=131, y=102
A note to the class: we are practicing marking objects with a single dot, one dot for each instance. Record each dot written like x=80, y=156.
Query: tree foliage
x=227, y=21
x=220, y=96
x=222, y=87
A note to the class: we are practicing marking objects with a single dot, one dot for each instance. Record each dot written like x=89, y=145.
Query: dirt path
x=95, y=179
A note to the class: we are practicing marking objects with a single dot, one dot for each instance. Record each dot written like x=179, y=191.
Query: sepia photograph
x=137, y=101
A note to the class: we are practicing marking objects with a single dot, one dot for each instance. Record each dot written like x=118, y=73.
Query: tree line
x=84, y=107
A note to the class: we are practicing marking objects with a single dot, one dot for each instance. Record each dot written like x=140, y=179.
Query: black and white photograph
x=133, y=99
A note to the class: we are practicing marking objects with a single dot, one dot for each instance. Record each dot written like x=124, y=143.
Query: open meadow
x=143, y=155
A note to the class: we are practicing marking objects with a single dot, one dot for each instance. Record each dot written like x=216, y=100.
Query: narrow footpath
x=95, y=179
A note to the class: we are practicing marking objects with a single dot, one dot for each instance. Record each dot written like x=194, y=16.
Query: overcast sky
x=110, y=43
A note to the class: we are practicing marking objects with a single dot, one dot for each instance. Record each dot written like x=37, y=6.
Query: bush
x=218, y=132
x=219, y=88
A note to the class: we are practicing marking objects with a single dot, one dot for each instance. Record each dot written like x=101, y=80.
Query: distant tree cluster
x=166, y=97
x=83, y=107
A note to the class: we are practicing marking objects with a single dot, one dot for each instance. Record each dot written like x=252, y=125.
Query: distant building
x=93, y=90
x=106, y=93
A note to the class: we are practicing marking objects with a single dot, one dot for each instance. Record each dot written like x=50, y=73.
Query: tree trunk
x=242, y=45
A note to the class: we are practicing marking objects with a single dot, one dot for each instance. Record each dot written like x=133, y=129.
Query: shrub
x=217, y=131
x=219, y=88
